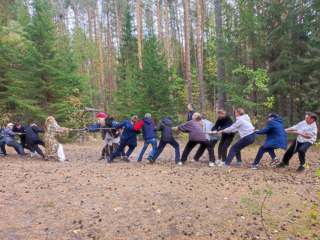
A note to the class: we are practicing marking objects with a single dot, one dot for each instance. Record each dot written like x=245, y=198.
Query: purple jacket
x=195, y=131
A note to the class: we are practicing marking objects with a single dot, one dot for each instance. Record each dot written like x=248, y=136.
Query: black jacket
x=165, y=126
x=222, y=123
x=32, y=133
x=22, y=129
x=190, y=114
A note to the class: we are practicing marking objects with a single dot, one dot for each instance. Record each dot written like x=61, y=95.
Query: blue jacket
x=129, y=135
x=276, y=134
x=9, y=135
x=147, y=125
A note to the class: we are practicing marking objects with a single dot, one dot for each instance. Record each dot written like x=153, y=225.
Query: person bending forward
x=306, y=135
x=246, y=130
x=196, y=136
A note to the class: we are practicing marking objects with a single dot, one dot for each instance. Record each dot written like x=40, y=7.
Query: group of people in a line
x=202, y=133
x=206, y=135
x=30, y=139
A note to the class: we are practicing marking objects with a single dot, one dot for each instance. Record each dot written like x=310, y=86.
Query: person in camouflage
x=52, y=131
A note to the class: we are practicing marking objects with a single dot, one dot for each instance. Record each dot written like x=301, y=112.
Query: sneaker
x=274, y=162
x=301, y=168
x=223, y=165
x=212, y=164
x=126, y=159
x=254, y=166
x=150, y=159
x=281, y=165
x=101, y=158
x=239, y=164
x=34, y=154
x=218, y=162
x=180, y=163
x=193, y=160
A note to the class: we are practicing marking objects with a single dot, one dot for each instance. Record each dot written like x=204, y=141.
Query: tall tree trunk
x=220, y=61
x=77, y=35
x=199, y=56
x=139, y=30
x=187, y=48
x=110, y=55
x=102, y=77
x=118, y=25
x=167, y=33
x=159, y=19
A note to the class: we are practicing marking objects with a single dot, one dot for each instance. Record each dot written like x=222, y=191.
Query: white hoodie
x=243, y=125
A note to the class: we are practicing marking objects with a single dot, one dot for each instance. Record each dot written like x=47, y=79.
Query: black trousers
x=295, y=147
x=201, y=150
x=33, y=146
x=203, y=145
x=224, y=144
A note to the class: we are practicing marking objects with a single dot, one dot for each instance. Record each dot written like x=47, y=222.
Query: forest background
x=132, y=57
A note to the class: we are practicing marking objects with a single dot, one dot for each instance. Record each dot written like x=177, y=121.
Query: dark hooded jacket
x=165, y=126
x=147, y=125
x=32, y=133
x=276, y=136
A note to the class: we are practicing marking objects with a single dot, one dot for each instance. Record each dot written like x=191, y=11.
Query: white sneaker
x=180, y=163
x=218, y=162
x=212, y=164
x=223, y=165
x=34, y=154
x=192, y=160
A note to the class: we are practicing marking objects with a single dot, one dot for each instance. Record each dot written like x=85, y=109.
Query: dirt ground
x=90, y=199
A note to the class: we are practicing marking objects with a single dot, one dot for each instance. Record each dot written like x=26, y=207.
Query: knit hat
x=10, y=124
x=101, y=115
x=148, y=115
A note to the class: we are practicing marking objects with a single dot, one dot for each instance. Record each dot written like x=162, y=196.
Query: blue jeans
x=153, y=143
x=163, y=144
x=236, y=148
x=121, y=148
x=3, y=147
x=260, y=153
x=17, y=146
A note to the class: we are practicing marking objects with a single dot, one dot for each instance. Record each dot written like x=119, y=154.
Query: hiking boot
x=125, y=158
x=281, y=165
x=300, y=168
x=254, y=166
x=151, y=160
x=109, y=160
x=274, y=162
